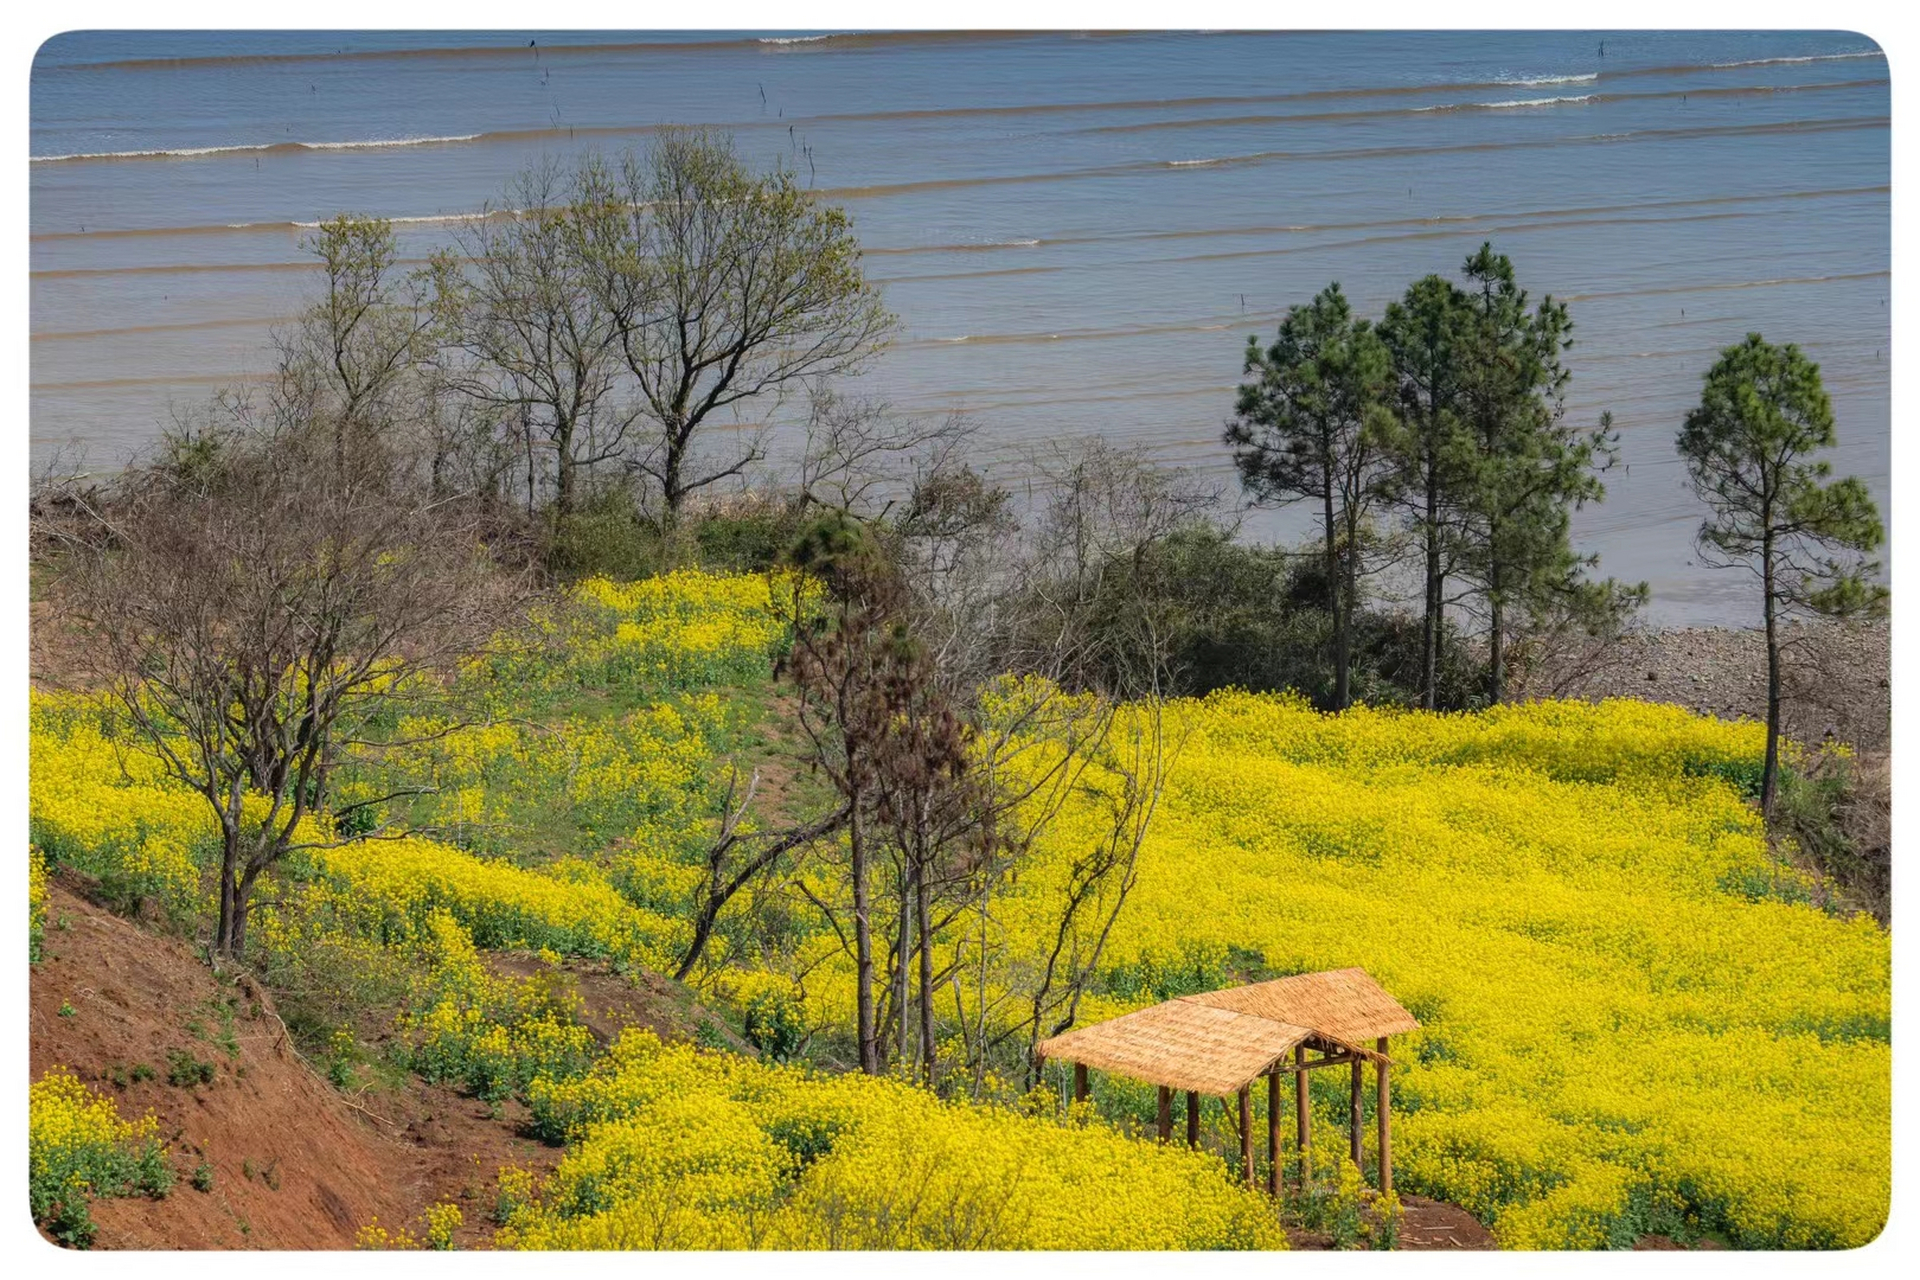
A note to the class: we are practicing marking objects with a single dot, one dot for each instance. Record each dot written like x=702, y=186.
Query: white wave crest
x=189, y=153
x=1531, y=81
x=389, y=142
x=1531, y=102
x=142, y=155
x=1811, y=57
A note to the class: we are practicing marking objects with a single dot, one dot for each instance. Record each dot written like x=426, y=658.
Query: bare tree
x=736, y=858
x=862, y=458
x=347, y=359
x=1091, y=619
x=518, y=300
x=725, y=287
x=259, y=601
x=1100, y=878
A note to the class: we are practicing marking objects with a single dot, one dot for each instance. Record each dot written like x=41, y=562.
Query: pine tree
x=1307, y=427
x=1529, y=470
x=1762, y=411
x=1427, y=443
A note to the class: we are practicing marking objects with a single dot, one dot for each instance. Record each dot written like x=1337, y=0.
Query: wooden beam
x=1246, y=1133
x=1273, y=1134
x=1314, y=1064
x=1383, y=1117
x=1193, y=1118
x=1356, y=1116
x=1303, y=1133
x=1165, y=1127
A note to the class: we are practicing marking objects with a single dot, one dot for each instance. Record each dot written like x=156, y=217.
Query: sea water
x=1078, y=232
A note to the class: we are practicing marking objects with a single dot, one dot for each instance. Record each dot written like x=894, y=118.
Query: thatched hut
x=1219, y=1043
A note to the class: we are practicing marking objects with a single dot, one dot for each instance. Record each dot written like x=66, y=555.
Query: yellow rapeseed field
x=680, y=1149
x=1622, y=1002
x=1632, y=1014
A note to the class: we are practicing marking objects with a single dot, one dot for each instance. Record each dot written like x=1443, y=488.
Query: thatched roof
x=1220, y=1041
x=1341, y=1004
x=1181, y=1044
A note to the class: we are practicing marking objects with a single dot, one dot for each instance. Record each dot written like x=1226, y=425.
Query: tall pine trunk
x=1496, y=649
x=1350, y=590
x=1430, y=631
x=1770, y=772
x=1335, y=606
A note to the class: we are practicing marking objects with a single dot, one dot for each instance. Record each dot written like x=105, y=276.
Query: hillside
x=1636, y=1022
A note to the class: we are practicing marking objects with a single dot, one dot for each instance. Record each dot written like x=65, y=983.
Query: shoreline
x=1835, y=676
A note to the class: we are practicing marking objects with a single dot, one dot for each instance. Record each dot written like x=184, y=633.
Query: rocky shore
x=1836, y=677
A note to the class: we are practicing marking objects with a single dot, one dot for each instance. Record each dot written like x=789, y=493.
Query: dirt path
x=1434, y=1224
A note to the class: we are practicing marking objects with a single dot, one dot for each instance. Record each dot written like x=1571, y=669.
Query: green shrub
x=774, y=1024
x=607, y=536
x=184, y=1071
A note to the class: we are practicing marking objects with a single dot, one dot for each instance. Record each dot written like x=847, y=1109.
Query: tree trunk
x=1334, y=605
x=923, y=910
x=1770, y=772
x=563, y=468
x=902, y=1007
x=1430, y=633
x=242, y=905
x=1350, y=599
x=223, y=930
x=526, y=436
x=1496, y=648
x=670, y=491
x=862, y=943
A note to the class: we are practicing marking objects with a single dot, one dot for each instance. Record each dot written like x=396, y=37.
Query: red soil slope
x=296, y=1164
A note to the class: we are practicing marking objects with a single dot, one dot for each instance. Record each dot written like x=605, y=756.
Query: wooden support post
x=1302, y=1133
x=1383, y=1117
x=1246, y=1133
x=1079, y=1082
x=1193, y=1118
x=1273, y=1135
x=1165, y=1126
x=1356, y=1119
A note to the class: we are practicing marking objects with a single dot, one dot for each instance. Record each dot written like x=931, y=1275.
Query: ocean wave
x=1532, y=102
x=1811, y=57
x=726, y=43
x=388, y=142
x=1197, y=164
x=189, y=153
x=407, y=219
x=1504, y=105
x=1531, y=81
